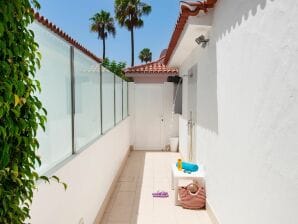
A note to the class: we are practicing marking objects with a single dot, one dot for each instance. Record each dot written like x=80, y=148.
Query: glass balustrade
x=55, y=79
x=87, y=99
x=118, y=99
x=83, y=99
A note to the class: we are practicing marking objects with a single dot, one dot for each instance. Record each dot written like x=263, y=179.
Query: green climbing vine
x=21, y=112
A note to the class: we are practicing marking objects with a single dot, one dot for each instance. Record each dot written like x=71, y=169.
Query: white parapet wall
x=247, y=109
x=89, y=176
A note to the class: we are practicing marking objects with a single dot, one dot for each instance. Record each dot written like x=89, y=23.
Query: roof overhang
x=195, y=27
x=152, y=68
x=149, y=77
x=195, y=19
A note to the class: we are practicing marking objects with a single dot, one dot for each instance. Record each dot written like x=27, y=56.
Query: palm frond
x=145, y=55
x=103, y=24
x=129, y=12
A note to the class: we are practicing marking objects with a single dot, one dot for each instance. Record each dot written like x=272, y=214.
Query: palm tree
x=103, y=24
x=129, y=13
x=145, y=55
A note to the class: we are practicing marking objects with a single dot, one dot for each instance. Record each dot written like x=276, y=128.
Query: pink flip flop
x=160, y=194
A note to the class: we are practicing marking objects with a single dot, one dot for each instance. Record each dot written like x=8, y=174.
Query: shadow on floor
x=132, y=201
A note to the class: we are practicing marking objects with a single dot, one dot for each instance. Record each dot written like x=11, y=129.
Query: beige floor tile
x=104, y=219
x=204, y=217
x=120, y=214
x=164, y=204
x=128, y=186
x=134, y=219
x=187, y=215
x=144, y=219
x=118, y=223
x=162, y=186
x=110, y=205
x=124, y=198
x=145, y=201
x=163, y=216
x=132, y=202
x=127, y=178
x=148, y=185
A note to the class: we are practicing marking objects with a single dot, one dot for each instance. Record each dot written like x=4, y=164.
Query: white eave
x=194, y=27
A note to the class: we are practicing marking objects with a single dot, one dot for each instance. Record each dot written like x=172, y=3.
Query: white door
x=149, y=128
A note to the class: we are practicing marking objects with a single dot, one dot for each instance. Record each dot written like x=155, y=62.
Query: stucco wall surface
x=247, y=125
x=88, y=175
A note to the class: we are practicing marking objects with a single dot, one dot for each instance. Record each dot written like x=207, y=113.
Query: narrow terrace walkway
x=132, y=201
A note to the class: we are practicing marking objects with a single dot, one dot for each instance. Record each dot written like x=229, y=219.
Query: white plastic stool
x=179, y=175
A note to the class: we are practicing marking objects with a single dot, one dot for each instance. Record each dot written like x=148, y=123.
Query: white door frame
x=152, y=93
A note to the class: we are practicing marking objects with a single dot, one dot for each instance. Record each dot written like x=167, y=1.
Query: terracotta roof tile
x=152, y=67
x=187, y=9
x=42, y=20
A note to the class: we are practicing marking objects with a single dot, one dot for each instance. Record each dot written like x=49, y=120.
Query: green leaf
x=17, y=100
x=56, y=178
x=21, y=112
x=2, y=131
x=1, y=29
x=46, y=179
x=4, y=155
x=65, y=186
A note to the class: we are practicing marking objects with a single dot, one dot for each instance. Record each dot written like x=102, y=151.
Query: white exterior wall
x=88, y=175
x=170, y=119
x=131, y=106
x=183, y=137
x=248, y=111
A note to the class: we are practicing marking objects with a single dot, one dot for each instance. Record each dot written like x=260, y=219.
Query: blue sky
x=73, y=17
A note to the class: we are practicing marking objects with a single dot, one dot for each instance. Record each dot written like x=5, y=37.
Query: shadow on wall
x=207, y=90
x=237, y=11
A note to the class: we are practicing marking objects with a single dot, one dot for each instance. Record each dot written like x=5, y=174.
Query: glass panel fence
x=118, y=98
x=125, y=99
x=87, y=99
x=54, y=75
x=108, y=112
x=93, y=114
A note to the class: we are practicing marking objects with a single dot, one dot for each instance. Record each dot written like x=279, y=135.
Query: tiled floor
x=132, y=201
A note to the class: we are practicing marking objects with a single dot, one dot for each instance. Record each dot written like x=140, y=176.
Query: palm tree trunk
x=104, y=48
x=132, y=47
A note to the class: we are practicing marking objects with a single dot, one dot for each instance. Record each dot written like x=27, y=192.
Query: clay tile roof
x=187, y=9
x=42, y=20
x=152, y=67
